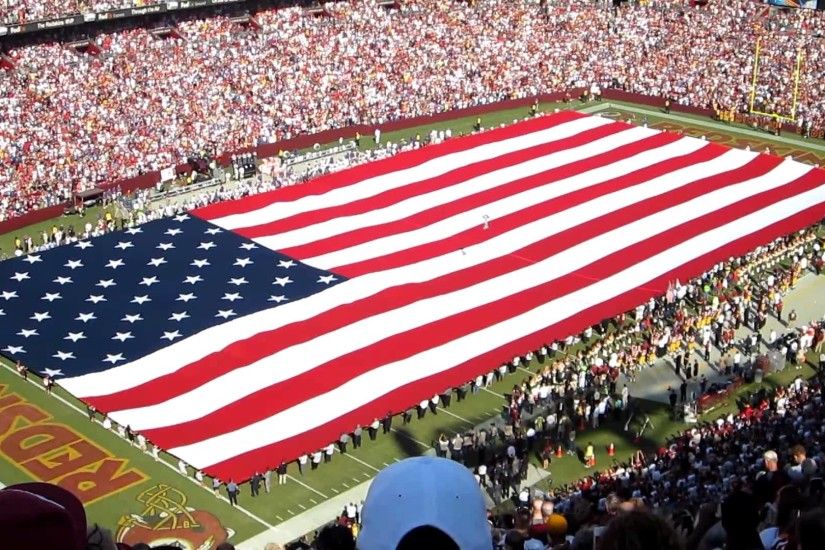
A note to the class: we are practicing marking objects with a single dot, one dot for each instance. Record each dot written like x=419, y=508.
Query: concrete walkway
x=807, y=298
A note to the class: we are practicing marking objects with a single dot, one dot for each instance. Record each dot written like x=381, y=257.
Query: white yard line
x=302, y=484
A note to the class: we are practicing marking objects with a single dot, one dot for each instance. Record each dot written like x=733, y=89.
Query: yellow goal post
x=790, y=117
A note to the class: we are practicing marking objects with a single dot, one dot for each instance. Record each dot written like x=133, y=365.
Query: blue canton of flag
x=110, y=300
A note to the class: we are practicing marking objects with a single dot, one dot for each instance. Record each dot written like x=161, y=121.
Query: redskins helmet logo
x=165, y=519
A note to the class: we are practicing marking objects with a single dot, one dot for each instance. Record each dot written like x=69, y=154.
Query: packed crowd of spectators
x=72, y=121
x=121, y=211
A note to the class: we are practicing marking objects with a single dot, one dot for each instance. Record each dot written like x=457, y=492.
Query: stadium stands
x=75, y=120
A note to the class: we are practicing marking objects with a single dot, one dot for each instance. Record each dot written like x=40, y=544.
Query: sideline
x=806, y=144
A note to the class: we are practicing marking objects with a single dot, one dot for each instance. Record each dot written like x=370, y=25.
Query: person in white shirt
x=328, y=452
x=316, y=459
x=302, y=462
x=182, y=468
x=482, y=474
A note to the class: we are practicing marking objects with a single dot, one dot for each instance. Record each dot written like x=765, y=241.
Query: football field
x=51, y=437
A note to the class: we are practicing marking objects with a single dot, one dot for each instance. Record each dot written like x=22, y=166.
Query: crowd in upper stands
x=72, y=120
x=18, y=12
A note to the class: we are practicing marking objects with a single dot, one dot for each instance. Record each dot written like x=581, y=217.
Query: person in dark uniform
x=255, y=484
x=232, y=492
x=683, y=391
x=356, y=436
x=387, y=423
x=446, y=397
x=672, y=398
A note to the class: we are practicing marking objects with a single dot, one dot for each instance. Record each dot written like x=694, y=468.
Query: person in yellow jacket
x=589, y=456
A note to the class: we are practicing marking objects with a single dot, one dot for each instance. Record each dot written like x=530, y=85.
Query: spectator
x=424, y=502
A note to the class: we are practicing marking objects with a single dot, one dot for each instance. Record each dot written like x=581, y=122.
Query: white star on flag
x=32, y=258
x=327, y=279
x=165, y=246
x=213, y=231
x=73, y=264
x=157, y=261
x=286, y=264
x=14, y=350
x=106, y=283
x=207, y=245
x=114, y=264
x=283, y=281
x=181, y=218
x=19, y=277
x=232, y=297
x=132, y=318
x=185, y=297
x=85, y=317
x=83, y=245
x=96, y=298
x=238, y=281
x=242, y=262
x=114, y=358
x=51, y=296
x=248, y=246
x=179, y=316
x=124, y=245
x=75, y=336
x=134, y=230
x=122, y=336
x=171, y=335
x=192, y=279
x=51, y=373
x=200, y=263
x=174, y=231
x=39, y=317
x=63, y=280
x=277, y=299
x=62, y=355
x=149, y=281
x=26, y=332
x=8, y=295
x=225, y=313
x=140, y=299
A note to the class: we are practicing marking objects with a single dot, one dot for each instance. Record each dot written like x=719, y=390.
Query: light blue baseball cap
x=424, y=491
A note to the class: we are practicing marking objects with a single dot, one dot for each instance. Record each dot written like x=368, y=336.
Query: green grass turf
x=331, y=479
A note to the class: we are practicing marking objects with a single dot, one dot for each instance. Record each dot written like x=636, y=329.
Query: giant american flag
x=253, y=331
